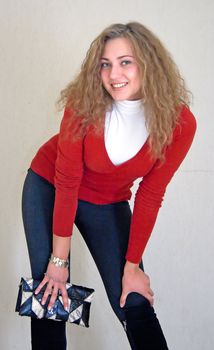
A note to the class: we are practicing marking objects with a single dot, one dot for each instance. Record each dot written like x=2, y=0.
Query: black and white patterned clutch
x=79, y=302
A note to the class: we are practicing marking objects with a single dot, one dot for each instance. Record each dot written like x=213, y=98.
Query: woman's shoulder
x=71, y=124
x=70, y=117
x=187, y=123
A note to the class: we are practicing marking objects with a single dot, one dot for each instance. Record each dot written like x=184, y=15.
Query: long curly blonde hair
x=163, y=89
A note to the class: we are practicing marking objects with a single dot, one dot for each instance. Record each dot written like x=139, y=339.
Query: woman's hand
x=56, y=277
x=135, y=280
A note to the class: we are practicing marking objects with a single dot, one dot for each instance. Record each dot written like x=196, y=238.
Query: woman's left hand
x=135, y=280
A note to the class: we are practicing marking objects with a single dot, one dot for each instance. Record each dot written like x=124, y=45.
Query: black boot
x=48, y=335
x=143, y=329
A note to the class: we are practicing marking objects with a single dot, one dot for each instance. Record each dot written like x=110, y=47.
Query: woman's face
x=120, y=72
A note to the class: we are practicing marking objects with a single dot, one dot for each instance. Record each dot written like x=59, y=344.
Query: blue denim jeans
x=105, y=230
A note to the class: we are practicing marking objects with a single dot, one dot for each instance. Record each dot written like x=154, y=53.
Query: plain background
x=42, y=44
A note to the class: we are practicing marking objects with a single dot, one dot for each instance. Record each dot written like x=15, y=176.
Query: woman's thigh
x=37, y=212
x=105, y=229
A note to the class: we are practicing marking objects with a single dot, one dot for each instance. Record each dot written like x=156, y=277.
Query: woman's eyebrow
x=107, y=59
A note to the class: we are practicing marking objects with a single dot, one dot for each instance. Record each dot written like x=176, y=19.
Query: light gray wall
x=42, y=43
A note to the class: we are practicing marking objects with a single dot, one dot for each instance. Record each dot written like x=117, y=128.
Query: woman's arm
x=61, y=246
x=151, y=190
x=68, y=175
x=147, y=203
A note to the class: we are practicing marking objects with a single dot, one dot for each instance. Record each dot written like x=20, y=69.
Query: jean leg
x=105, y=229
x=37, y=212
x=99, y=226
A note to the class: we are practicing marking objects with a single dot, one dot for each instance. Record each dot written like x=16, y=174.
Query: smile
x=119, y=85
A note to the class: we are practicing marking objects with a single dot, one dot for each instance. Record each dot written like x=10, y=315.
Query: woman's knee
x=135, y=303
x=137, y=307
x=135, y=299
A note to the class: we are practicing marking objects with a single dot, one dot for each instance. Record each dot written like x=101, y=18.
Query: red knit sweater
x=81, y=169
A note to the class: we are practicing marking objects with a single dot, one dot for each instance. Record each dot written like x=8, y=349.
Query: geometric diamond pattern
x=37, y=308
x=79, y=302
x=76, y=314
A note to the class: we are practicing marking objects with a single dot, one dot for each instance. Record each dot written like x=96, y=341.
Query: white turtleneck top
x=125, y=130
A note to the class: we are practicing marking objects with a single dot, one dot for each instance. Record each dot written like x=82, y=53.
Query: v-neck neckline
x=130, y=160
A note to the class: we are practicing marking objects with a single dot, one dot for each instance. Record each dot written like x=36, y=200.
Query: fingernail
x=36, y=292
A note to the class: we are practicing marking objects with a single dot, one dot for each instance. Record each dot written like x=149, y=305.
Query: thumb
x=123, y=299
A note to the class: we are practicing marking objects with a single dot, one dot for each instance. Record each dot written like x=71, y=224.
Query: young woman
x=126, y=116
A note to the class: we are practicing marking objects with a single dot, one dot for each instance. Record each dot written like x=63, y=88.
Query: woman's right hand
x=56, y=278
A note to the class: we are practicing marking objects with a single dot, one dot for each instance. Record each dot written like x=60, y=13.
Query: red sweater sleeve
x=68, y=175
x=151, y=189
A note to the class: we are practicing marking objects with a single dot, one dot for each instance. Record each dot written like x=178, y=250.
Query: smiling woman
x=120, y=72
x=126, y=117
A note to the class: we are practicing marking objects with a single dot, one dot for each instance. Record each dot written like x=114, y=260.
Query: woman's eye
x=104, y=65
x=125, y=62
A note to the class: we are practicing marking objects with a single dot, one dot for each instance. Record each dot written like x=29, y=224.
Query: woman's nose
x=115, y=72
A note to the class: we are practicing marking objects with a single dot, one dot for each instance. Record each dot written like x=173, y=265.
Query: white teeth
x=119, y=85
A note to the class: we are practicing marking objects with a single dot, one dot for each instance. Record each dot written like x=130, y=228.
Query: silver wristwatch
x=58, y=262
